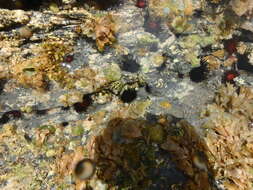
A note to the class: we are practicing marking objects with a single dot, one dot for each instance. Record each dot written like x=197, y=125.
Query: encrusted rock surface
x=139, y=89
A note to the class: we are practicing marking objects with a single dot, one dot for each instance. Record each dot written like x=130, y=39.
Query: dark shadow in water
x=10, y=115
x=243, y=63
x=22, y=4
x=101, y=4
x=2, y=83
x=246, y=36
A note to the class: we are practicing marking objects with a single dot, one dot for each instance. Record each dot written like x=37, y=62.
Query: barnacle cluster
x=124, y=83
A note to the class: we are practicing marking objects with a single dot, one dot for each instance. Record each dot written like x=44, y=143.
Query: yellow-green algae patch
x=138, y=108
x=77, y=130
x=192, y=43
x=112, y=72
x=147, y=40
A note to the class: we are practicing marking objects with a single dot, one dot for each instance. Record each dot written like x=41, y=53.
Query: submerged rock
x=122, y=85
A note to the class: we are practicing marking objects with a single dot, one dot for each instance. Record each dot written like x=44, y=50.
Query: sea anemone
x=141, y=3
x=230, y=75
x=231, y=46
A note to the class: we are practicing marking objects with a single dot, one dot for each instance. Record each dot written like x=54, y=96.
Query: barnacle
x=123, y=84
x=75, y=163
x=43, y=132
x=25, y=32
x=230, y=75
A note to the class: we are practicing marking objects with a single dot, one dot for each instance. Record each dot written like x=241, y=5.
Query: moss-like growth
x=77, y=130
x=112, y=72
x=28, y=74
x=192, y=44
x=35, y=72
x=147, y=40
x=180, y=24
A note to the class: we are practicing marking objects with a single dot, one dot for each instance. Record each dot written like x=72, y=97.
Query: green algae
x=139, y=108
x=193, y=40
x=181, y=24
x=51, y=128
x=147, y=40
x=192, y=44
x=112, y=72
x=77, y=130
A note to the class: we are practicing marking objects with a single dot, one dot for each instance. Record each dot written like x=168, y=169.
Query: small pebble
x=25, y=32
x=85, y=169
